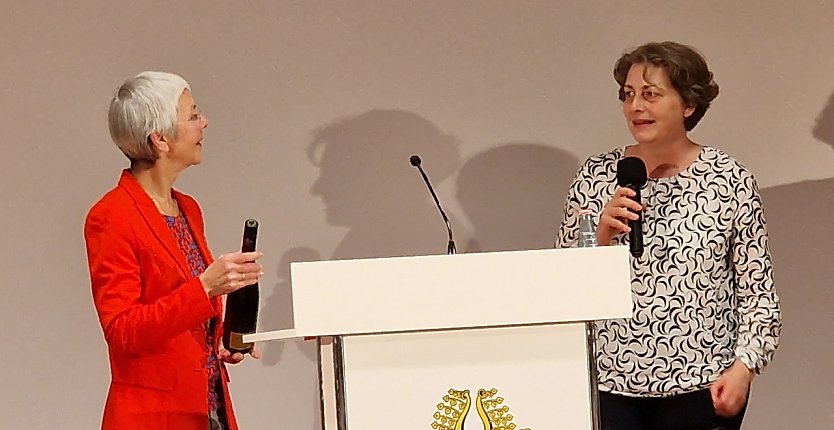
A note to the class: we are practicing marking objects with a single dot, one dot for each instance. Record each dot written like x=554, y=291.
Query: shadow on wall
x=800, y=384
x=514, y=195
x=276, y=313
x=367, y=184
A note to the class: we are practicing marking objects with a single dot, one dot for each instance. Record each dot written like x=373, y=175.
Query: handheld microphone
x=416, y=162
x=631, y=173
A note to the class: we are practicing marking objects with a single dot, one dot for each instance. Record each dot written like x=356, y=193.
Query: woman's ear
x=688, y=111
x=159, y=142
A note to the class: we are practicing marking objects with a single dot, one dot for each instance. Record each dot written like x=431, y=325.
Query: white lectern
x=486, y=341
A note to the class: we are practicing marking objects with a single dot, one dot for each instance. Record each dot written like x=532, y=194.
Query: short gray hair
x=145, y=104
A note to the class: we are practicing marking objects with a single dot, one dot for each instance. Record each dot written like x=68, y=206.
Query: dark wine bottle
x=242, y=305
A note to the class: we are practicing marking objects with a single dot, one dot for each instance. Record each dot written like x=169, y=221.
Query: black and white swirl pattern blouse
x=703, y=290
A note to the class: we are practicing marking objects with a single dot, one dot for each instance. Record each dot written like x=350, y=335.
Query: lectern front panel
x=534, y=377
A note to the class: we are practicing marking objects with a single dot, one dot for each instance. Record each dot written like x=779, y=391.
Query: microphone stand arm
x=450, y=249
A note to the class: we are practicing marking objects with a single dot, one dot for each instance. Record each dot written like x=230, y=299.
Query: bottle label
x=236, y=341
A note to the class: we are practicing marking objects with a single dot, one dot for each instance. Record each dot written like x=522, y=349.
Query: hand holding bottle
x=231, y=272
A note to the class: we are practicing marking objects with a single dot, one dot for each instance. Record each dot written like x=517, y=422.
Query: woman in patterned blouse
x=706, y=315
x=156, y=289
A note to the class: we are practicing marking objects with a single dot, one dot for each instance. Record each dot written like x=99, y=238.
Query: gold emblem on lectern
x=494, y=414
x=452, y=411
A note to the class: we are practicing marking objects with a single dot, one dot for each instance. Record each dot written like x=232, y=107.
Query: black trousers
x=690, y=411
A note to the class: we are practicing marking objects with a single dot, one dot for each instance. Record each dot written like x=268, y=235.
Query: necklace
x=166, y=207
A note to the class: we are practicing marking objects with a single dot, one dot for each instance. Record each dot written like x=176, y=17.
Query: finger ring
x=242, y=276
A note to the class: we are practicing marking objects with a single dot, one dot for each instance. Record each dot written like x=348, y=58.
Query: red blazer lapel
x=156, y=223
x=162, y=232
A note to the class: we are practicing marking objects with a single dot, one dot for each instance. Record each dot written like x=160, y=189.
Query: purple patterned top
x=182, y=233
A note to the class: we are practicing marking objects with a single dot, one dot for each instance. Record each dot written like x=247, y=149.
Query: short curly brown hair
x=687, y=70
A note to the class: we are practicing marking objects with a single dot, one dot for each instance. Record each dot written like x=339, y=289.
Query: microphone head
x=415, y=160
x=631, y=171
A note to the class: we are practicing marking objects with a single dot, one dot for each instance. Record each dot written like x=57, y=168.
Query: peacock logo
x=493, y=412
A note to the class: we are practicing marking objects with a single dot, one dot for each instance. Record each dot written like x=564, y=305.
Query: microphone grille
x=631, y=171
x=415, y=160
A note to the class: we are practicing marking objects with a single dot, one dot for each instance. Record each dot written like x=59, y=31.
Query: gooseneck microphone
x=416, y=162
x=631, y=173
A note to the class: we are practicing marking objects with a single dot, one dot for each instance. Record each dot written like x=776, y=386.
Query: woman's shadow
x=367, y=184
x=801, y=233
x=514, y=195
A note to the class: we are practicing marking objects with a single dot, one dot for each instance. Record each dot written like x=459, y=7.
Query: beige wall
x=314, y=109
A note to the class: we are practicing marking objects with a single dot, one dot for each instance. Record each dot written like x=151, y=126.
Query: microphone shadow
x=514, y=195
x=367, y=184
x=802, y=242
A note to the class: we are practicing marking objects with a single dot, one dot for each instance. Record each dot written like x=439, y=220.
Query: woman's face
x=186, y=148
x=652, y=107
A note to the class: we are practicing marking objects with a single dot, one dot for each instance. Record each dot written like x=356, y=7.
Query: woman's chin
x=196, y=161
x=645, y=140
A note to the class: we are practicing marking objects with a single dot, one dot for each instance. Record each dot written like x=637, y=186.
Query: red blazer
x=152, y=312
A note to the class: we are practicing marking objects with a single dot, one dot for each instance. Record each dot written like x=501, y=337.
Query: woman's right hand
x=231, y=272
x=616, y=214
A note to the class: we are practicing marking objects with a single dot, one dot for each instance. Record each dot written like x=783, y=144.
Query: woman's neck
x=666, y=159
x=157, y=181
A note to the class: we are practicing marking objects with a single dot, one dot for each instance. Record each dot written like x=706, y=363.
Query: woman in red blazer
x=156, y=287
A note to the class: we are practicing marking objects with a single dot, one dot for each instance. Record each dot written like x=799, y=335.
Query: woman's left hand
x=729, y=391
x=224, y=355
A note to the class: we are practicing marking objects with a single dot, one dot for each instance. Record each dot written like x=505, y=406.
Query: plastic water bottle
x=588, y=239
x=587, y=229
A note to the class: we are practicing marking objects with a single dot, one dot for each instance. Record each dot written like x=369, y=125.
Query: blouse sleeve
x=586, y=192
x=760, y=321
x=567, y=234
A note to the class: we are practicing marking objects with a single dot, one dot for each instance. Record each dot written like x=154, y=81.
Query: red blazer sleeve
x=139, y=306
